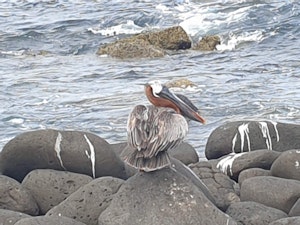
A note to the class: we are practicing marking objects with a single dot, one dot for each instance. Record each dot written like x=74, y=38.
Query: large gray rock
x=16, y=198
x=235, y=163
x=245, y=136
x=89, y=201
x=287, y=221
x=221, y=187
x=252, y=172
x=72, y=151
x=8, y=217
x=253, y=213
x=48, y=220
x=295, y=210
x=287, y=165
x=275, y=192
x=161, y=197
x=50, y=187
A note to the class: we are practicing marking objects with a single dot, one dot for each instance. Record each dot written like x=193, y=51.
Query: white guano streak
x=57, y=149
x=91, y=156
x=266, y=134
x=243, y=131
x=227, y=162
x=276, y=130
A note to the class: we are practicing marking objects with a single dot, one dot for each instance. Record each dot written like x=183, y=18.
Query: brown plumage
x=154, y=129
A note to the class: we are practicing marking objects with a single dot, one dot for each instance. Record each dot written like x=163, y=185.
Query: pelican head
x=160, y=96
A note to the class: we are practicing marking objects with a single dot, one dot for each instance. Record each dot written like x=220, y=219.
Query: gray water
x=52, y=78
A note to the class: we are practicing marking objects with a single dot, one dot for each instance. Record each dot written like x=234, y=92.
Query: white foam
x=227, y=162
x=127, y=28
x=57, y=149
x=91, y=156
x=236, y=39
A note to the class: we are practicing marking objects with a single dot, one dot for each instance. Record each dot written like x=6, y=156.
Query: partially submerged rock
x=180, y=83
x=207, y=43
x=155, y=44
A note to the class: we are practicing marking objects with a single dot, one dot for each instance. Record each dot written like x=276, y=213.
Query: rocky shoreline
x=252, y=176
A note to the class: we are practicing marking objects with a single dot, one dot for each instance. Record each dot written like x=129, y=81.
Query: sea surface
x=51, y=77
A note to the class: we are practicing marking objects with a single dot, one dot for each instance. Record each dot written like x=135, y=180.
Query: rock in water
x=161, y=197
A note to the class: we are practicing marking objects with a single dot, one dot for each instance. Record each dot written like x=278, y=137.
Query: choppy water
x=52, y=78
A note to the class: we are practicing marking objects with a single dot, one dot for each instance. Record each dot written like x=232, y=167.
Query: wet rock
x=235, y=163
x=133, y=47
x=180, y=83
x=287, y=165
x=50, y=187
x=287, y=221
x=89, y=201
x=275, y=192
x=252, y=172
x=72, y=151
x=48, y=220
x=208, y=43
x=173, y=38
x=8, y=217
x=221, y=187
x=161, y=197
x=244, y=136
x=16, y=198
x=148, y=45
x=295, y=210
x=254, y=213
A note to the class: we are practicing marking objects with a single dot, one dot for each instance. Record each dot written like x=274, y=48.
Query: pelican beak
x=183, y=106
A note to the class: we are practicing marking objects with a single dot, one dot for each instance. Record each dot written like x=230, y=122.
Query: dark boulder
x=221, y=187
x=161, y=197
x=15, y=197
x=147, y=45
x=89, y=201
x=271, y=191
x=287, y=165
x=8, y=217
x=72, y=151
x=253, y=213
x=50, y=187
x=252, y=172
x=48, y=220
x=287, y=221
x=245, y=136
x=235, y=163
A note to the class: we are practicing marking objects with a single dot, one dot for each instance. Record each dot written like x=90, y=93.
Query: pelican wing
x=152, y=130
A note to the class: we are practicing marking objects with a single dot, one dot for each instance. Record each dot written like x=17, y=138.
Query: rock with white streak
x=73, y=151
x=245, y=136
x=235, y=163
x=51, y=187
x=221, y=187
x=287, y=165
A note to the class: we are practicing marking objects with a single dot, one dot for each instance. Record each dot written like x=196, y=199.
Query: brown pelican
x=154, y=129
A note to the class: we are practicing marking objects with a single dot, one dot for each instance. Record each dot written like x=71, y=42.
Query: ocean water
x=51, y=77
